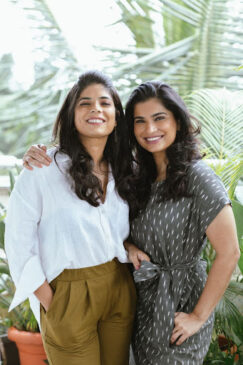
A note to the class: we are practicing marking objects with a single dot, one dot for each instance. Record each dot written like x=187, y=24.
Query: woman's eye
x=84, y=104
x=137, y=121
x=106, y=104
x=159, y=118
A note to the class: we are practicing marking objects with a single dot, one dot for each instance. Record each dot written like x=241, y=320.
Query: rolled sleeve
x=21, y=236
x=31, y=278
x=210, y=195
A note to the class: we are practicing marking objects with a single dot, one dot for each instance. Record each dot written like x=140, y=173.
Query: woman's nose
x=151, y=127
x=96, y=108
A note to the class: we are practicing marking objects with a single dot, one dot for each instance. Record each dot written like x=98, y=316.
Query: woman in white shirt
x=65, y=229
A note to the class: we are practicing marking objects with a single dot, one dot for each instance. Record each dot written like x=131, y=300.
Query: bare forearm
x=135, y=255
x=218, y=280
x=44, y=294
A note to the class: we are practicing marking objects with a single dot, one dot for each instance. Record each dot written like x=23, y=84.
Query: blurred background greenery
x=194, y=45
x=191, y=45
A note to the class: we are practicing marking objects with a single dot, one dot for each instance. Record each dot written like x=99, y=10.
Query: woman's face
x=95, y=113
x=154, y=126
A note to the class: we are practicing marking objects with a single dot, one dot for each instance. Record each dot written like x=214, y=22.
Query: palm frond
x=216, y=49
x=229, y=318
x=220, y=114
x=234, y=288
x=136, y=16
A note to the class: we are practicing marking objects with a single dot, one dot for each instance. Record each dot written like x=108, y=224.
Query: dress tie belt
x=168, y=295
x=148, y=270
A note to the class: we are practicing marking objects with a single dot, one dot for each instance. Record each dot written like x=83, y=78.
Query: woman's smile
x=154, y=126
x=153, y=140
x=96, y=121
x=95, y=114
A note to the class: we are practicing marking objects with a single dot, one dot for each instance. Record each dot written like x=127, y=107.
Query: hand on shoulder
x=36, y=156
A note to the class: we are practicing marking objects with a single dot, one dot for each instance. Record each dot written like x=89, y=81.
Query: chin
x=153, y=149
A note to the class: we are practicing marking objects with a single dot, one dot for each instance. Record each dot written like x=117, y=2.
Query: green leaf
x=12, y=180
x=238, y=213
x=2, y=231
x=4, y=269
x=213, y=24
x=229, y=319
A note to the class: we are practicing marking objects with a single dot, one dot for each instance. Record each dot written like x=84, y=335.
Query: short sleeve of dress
x=209, y=193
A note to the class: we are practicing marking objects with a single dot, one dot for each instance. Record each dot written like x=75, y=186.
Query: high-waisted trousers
x=90, y=319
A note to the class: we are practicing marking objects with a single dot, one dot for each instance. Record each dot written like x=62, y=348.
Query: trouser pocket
x=91, y=314
x=66, y=323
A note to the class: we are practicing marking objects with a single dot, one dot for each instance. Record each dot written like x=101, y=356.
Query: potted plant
x=20, y=323
x=8, y=350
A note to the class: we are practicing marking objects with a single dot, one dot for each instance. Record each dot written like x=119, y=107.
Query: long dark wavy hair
x=180, y=154
x=86, y=185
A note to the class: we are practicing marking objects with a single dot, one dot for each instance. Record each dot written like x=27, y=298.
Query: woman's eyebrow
x=87, y=98
x=153, y=115
x=84, y=98
x=156, y=114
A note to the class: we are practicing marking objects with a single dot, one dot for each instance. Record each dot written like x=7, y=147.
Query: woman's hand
x=135, y=255
x=186, y=324
x=45, y=295
x=36, y=156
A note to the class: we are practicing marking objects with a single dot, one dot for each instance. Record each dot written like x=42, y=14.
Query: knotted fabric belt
x=170, y=287
x=148, y=270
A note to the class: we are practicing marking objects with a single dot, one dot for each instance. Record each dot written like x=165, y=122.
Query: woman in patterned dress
x=179, y=203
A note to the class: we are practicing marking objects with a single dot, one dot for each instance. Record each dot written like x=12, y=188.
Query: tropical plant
x=220, y=113
x=196, y=44
x=238, y=212
x=189, y=44
x=216, y=356
x=27, y=115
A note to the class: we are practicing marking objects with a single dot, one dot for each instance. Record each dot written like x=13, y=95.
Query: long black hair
x=86, y=185
x=180, y=154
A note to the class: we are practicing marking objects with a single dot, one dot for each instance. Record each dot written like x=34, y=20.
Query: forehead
x=95, y=90
x=150, y=106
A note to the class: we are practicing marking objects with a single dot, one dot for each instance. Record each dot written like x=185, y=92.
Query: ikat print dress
x=173, y=235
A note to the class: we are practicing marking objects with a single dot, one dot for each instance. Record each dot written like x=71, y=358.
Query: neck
x=95, y=147
x=161, y=163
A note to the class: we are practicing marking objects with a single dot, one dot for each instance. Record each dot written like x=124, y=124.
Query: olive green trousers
x=90, y=319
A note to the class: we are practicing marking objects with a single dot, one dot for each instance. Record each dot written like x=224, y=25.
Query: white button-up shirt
x=49, y=229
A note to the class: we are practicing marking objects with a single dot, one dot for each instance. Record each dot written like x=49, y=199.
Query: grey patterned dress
x=173, y=235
